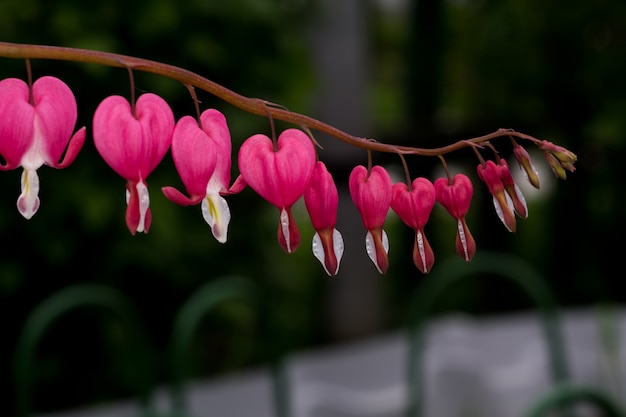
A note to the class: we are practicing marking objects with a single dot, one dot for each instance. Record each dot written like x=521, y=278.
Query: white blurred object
x=493, y=367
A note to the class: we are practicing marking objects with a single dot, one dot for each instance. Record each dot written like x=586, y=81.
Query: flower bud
x=523, y=158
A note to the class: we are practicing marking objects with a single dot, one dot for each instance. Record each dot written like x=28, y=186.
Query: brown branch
x=250, y=105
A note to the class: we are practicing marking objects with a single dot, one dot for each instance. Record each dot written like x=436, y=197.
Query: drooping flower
x=36, y=129
x=455, y=196
x=489, y=173
x=133, y=140
x=279, y=173
x=321, y=200
x=414, y=207
x=371, y=194
x=202, y=156
x=511, y=188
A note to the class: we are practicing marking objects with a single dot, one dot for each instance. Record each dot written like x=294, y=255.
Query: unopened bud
x=555, y=165
x=523, y=158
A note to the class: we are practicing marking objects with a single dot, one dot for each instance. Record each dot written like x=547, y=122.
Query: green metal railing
x=59, y=305
x=205, y=300
x=450, y=272
x=185, y=328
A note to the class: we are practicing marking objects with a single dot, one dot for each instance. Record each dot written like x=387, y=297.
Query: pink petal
x=56, y=110
x=215, y=126
x=194, y=156
x=177, y=197
x=17, y=127
x=321, y=198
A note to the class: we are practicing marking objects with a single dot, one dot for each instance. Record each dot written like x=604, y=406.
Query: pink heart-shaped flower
x=280, y=173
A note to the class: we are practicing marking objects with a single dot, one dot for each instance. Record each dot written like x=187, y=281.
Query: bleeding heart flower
x=279, y=172
x=202, y=156
x=371, y=194
x=455, y=196
x=489, y=173
x=511, y=188
x=36, y=130
x=321, y=200
x=414, y=207
x=133, y=141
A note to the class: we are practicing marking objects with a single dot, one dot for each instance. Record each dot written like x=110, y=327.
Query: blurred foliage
x=440, y=72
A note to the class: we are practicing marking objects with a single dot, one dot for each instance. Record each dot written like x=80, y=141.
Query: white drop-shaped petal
x=370, y=247
x=216, y=213
x=144, y=204
x=318, y=250
x=28, y=201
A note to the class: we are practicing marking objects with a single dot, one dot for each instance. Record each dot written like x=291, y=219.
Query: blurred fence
x=564, y=396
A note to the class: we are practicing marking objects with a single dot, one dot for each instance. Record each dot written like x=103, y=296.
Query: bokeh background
x=419, y=73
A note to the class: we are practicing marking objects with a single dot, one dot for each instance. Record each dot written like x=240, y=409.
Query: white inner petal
x=284, y=225
x=421, y=249
x=216, y=213
x=28, y=201
x=144, y=204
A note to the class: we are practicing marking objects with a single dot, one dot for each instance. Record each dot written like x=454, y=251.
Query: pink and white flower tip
x=202, y=156
x=371, y=193
x=455, y=196
x=322, y=200
x=414, y=206
x=280, y=173
x=133, y=141
x=37, y=130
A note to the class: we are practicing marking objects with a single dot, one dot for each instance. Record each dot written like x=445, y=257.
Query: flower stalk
x=251, y=105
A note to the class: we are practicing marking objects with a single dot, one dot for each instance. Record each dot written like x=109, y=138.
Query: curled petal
x=179, y=198
x=74, y=146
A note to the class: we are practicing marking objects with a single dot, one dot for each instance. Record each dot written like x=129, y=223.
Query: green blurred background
x=433, y=72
